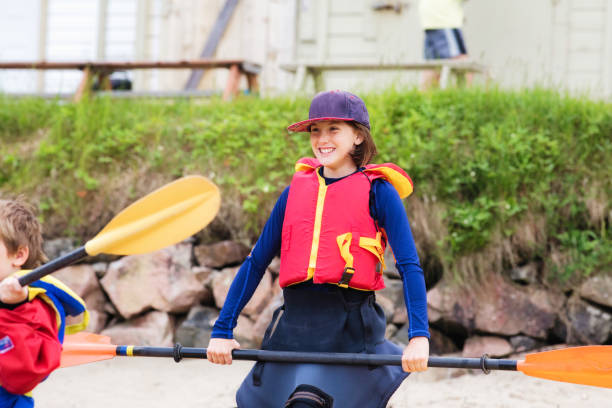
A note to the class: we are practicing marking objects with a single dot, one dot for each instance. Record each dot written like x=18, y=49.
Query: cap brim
x=303, y=125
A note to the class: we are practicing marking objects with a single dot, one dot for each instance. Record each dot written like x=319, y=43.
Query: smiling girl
x=331, y=227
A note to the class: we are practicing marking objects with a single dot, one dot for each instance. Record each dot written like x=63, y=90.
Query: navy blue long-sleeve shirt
x=391, y=215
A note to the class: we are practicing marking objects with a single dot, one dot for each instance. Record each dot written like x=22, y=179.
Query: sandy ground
x=160, y=382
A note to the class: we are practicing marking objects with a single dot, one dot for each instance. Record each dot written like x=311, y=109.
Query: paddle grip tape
x=125, y=351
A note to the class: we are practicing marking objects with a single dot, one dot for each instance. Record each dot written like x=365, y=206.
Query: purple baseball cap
x=334, y=105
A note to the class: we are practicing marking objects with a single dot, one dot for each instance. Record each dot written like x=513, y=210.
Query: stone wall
x=175, y=294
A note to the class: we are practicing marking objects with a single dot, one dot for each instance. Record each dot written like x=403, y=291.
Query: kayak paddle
x=588, y=365
x=161, y=218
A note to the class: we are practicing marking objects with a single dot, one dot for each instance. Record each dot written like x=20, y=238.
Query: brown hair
x=20, y=228
x=363, y=153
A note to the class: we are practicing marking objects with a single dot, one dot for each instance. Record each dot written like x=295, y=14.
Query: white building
x=564, y=44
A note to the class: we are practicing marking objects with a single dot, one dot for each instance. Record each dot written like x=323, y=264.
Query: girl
x=331, y=226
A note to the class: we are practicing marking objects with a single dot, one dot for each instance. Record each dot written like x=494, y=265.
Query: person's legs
x=430, y=77
x=459, y=52
x=445, y=43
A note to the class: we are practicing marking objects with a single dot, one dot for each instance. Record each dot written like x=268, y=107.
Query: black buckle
x=346, y=276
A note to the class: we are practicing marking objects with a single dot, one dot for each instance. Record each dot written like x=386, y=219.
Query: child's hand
x=219, y=351
x=416, y=354
x=12, y=292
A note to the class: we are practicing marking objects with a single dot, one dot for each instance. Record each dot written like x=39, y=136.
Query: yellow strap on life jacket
x=344, y=244
x=374, y=245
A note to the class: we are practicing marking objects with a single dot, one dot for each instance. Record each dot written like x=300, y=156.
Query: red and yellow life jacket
x=328, y=233
x=21, y=365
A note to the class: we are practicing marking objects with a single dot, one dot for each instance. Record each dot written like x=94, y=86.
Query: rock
x=100, y=269
x=451, y=303
x=110, y=309
x=162, y=280
x=196, y=329
x=275, y=266
x=244, y=332
x=476, y=346
x=221, y=282
x=54, y=248
x=81, y=279
x=521, y=344
x=526, y=274
x=265, y=317
x=97, y=321
x=598, y=289
x=390, y=331
x=152, y=329
x=220, y=254
x=400, y=316
x=538, y=309
x=276, y=289
x=401, y=336
x=440, y=344
x=203, y=274
x=391, y=298
x=96, y=300
x=582, y=323
x=390, y=269
x=495, y=306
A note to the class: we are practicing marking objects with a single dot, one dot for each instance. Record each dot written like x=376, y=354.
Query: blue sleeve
x=391, y=215
x=252, y=270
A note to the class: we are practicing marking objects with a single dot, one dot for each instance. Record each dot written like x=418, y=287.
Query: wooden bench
x=447, y=68
x=102, y=70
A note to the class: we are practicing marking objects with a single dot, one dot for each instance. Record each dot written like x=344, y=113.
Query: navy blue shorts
x=444, y=43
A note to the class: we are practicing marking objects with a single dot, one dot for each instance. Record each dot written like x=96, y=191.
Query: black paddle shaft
x=179, y=352
x=53, y=266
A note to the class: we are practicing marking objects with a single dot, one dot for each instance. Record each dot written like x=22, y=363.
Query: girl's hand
x=219, y=351
x=12, y=292
x=416, y=354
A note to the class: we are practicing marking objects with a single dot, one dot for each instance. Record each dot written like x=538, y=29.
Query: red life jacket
x=328, y=233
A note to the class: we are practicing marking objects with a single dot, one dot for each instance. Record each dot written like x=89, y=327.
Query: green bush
x=491, y=157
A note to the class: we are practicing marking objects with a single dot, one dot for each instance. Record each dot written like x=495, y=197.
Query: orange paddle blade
x=589, y=365
x=82, y=348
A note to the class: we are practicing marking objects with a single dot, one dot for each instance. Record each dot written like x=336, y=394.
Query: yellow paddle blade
x=589, y=365
x=164, y=217
x=82, y=348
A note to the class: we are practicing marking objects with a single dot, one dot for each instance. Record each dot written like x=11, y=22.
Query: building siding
x=564, y=44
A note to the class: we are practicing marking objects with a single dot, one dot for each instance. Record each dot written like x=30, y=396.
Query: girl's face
x=332, y=142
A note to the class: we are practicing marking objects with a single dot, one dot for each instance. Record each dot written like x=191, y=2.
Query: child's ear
x=21, y=256
x=358, y=139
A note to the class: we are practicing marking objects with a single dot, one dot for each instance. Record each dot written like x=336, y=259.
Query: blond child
x=32, y=319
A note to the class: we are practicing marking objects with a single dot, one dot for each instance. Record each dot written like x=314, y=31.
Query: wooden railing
x=447, y=68
x=103, y=69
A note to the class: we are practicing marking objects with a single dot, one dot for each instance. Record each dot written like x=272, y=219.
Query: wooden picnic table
x=447, y=67
x=103, y=69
